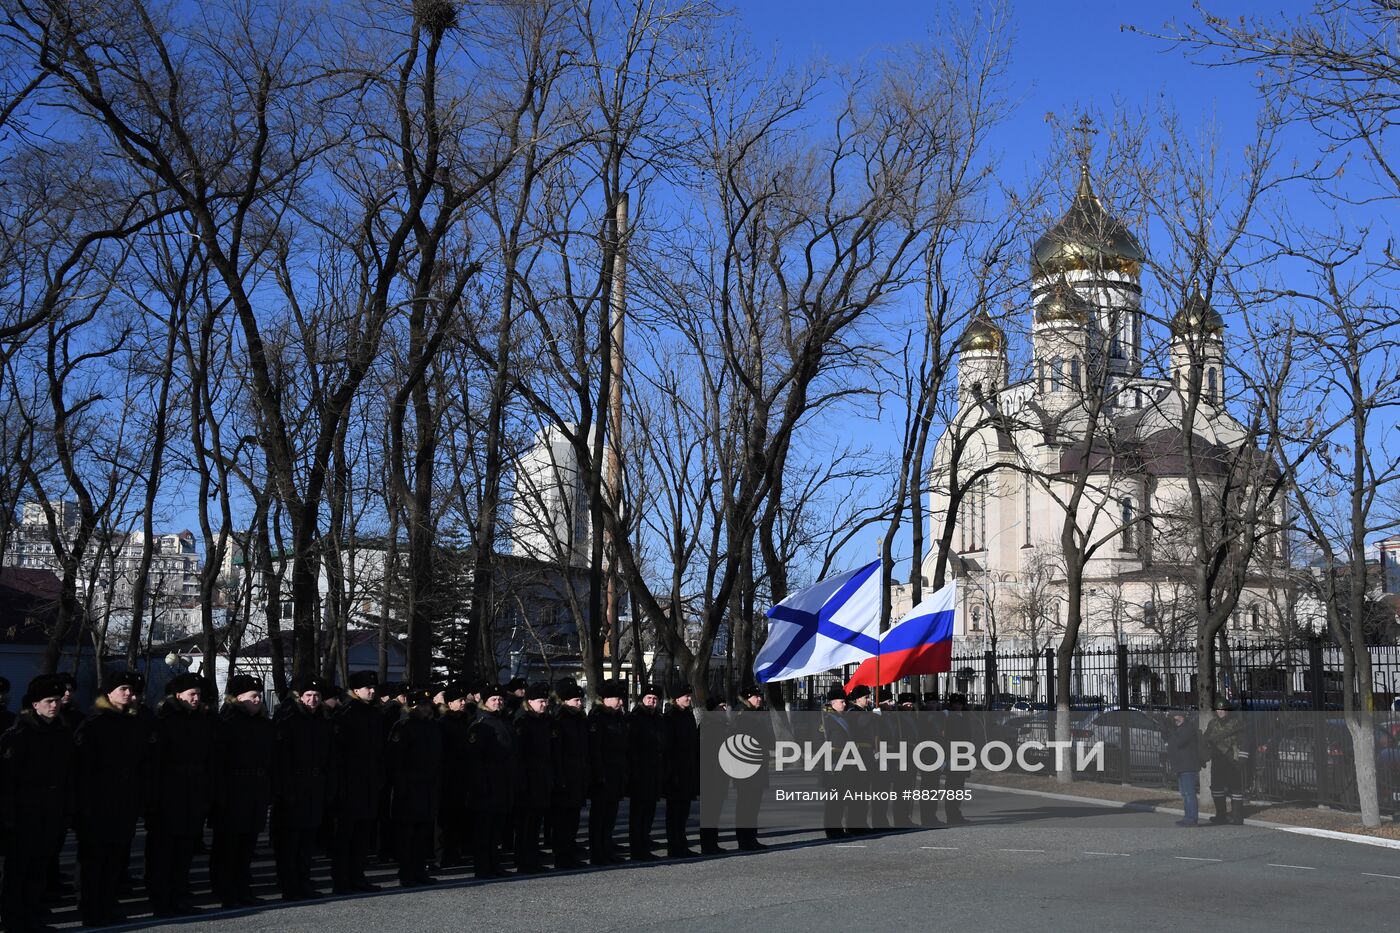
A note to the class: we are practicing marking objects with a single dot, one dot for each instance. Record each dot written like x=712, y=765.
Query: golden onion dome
x=982, y=335
x=1197, y=317
x=1087, y=237
x=1062, y=304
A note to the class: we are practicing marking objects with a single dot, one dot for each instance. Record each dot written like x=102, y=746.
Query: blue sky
x=1066, y=55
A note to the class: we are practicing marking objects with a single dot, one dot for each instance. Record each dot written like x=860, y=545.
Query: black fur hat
x=361, y=679
x=305, y=683
x=539, y=691
x=42, y=688
x=835, y=692
x=120, y=679
x=568, y=690
x=184, y=682
x=240, y=684
x=613, y=689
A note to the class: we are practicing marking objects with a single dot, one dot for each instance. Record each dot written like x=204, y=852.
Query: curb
x=1172, y=811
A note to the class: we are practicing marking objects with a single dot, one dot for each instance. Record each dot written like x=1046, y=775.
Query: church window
x=1255, y=624
x=1074, y=374
x=1210, y=385
x=982, y=514
x=1126, y=509
x=1040, y=374
x=1026, y=520
x=1057, y=374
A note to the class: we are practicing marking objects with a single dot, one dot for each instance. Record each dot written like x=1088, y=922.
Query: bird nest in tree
x=436, y=16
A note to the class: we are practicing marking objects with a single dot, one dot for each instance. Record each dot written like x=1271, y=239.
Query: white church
x=1011, y=454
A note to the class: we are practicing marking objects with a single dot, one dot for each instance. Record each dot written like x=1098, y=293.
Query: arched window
x=1074, y=374
x=1125, y=508
x=1149, y=615
x=1057, y=374
x=1255, y=619
x=1211, y=386
x=1040, y=374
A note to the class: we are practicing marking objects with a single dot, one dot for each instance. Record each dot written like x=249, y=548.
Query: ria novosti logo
x=741, y=756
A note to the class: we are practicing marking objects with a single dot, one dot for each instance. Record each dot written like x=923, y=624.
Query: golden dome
x=1197, y=317
x=1087, y=238
x=982, y=335
x=1063, y=303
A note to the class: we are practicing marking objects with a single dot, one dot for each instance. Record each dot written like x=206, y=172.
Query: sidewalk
x=1295, y=815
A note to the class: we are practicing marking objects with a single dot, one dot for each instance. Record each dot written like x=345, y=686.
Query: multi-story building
x=111, y=567
x=550, y=521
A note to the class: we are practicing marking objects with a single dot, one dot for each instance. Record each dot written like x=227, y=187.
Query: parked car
x=1040, y=727
x=1286, y=763
x=1142, y=731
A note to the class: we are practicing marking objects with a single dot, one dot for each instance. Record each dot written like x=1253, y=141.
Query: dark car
x=1286, y=763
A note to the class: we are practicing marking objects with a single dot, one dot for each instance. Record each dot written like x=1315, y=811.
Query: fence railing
x=1299, y=758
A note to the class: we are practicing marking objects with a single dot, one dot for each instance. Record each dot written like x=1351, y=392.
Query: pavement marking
x=1330, y=834
x=1124, y=854
x=1372, y=874
x=1171, y=811
x=849, y=846
x=1195, y=858
x=1041, y=851
x=941, y=848
x=1299, y=867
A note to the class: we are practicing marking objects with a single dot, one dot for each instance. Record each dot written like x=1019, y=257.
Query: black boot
x=748, y=840
x=1222, y=809
x=709, y=842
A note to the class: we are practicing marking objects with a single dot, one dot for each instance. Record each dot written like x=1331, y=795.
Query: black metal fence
x=1298, y=751
x=1259, y=675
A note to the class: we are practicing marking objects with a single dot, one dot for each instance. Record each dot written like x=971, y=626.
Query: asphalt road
x=1025, y=863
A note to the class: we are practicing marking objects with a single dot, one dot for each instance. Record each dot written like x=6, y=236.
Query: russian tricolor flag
x=922, y=643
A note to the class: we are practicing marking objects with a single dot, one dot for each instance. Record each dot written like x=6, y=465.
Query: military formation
x=430, y=777
x=846, y=718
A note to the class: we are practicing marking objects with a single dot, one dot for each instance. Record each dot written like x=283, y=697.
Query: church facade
x=1094, y=431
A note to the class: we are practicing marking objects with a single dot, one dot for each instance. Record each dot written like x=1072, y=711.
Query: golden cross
x=1085, y=130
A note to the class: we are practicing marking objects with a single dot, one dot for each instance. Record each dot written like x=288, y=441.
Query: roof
x=1086, y=237
x=355, y=638
x=1159, y=454
x=28, y=604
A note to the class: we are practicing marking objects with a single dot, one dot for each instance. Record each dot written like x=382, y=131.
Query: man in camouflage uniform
x=1225, y=744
